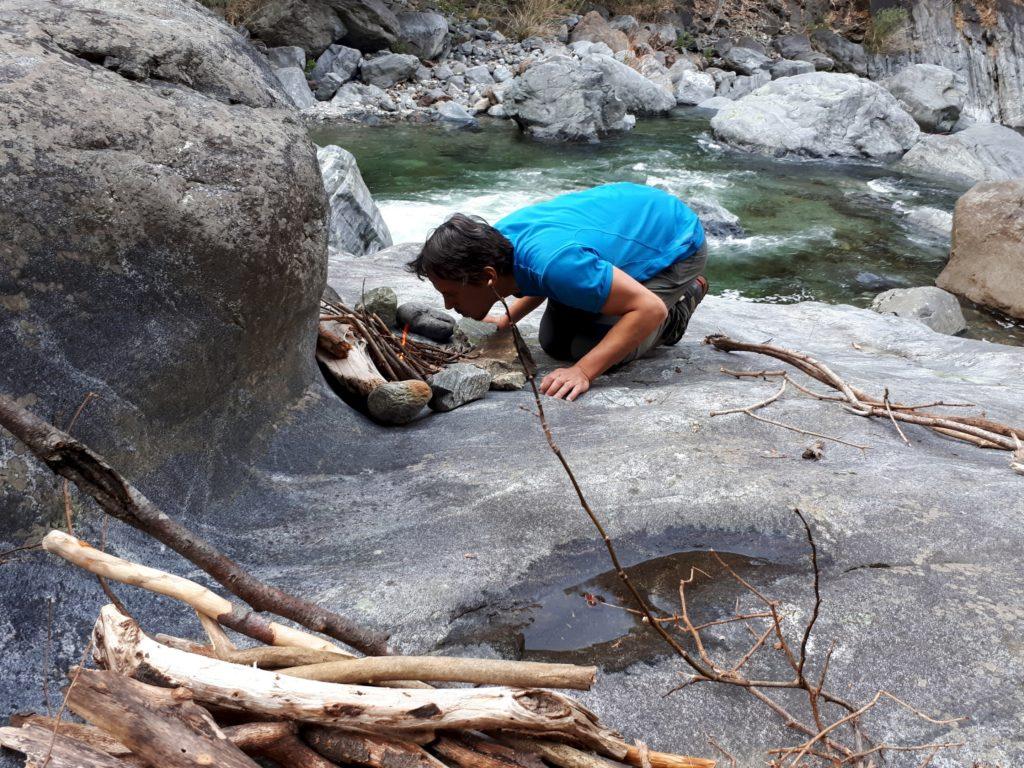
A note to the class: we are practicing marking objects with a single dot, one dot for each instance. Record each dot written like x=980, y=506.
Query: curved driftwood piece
x=363, y=749
x=163, y=727
x=120, y=645
x=83, y=555
x=516, y=674
x=41, y=747
x=562, y=755
x=120, y=499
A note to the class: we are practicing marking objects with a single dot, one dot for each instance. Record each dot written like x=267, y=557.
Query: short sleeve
x=577, y=277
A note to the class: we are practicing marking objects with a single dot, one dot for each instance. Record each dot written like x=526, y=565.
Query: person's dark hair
x=461, y=248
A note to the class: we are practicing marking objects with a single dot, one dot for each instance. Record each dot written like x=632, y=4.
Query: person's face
x=469, y=299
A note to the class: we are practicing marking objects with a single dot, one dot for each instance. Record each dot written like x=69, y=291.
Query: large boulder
x=339, y=60
x=986, y=263
x=979, y=153
x=356, y=225
x=309, y=24
x=650, y=67
x=820, y=114
x=166, y=231
x=622, y=83
x=594, y=29
x=792, y=46
x=846, y=55
x=561, y=100
x=389, y=69
x=930, y=93
x=745, y=61
x=936, y=308
x=370, y=24
x=423, y=34
x=293, y=81
x=789, y=68
x=694, y=87
x=739, y=86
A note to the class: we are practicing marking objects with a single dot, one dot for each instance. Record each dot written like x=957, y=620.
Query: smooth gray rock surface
x=819, y=60
x=745, y=61
x=931, y=220
x=456, y=114
x=388, y=69
x=381, y=301
x=789, y=68
x=979, y=153
x=561, y=100
x=694, y=87
x=309, y=24
x=327, y=86
x=931, y=94
x=621, y=83
x=339, y=60
x=377, y=523
x=739, y=86
x=287, y=56
x=715, y=103
x=457, y=385
x=426, y=320
x=936, y=308
x=791, y=46
x=717, y=220
x=293, y=81
x=847, y=55
x=370, y=24
x=398, y=402
x=423, y=34
x=170, y=205
x=479, y=75
x=819, y=115
x=356, y=225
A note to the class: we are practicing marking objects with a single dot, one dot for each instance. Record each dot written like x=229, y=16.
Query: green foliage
x=685, y=41
x=885, y=24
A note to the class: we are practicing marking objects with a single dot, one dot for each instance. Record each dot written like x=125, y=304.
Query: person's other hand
x=567, y=383
x=499, y=320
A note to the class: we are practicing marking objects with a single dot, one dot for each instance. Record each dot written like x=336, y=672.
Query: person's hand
x=567, y=383
x=501, y=321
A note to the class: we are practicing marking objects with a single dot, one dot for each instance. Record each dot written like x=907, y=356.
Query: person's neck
x=505, y=285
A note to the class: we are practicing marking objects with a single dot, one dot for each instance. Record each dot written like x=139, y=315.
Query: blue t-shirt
x=565, y=248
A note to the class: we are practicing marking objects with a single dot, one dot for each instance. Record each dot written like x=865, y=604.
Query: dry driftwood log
x=199, y=597
x=87, y=734
x=121, y=646
x=163, y=727
x=476, y=753
x=118, y=498
x=362, y=749
x=41, y=748
x=356, y=373
x=562, y=755
x=516, y=674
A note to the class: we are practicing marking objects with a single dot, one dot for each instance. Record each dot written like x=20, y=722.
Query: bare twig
x=64, y=703
x=888, y=410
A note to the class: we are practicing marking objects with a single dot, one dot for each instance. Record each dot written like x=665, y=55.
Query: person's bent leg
x=567, y=333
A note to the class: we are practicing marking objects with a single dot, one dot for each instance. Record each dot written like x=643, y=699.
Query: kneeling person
x=621, y=267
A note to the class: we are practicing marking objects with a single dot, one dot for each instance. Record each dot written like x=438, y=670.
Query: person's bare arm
x=640, y=311
x=518, y=309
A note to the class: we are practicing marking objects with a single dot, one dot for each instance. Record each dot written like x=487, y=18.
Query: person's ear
x=491, y=274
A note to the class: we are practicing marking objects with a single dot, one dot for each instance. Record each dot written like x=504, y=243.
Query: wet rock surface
x=936, y=308
x=379, y=523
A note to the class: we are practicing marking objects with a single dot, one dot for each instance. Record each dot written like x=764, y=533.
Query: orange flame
x=405, y=335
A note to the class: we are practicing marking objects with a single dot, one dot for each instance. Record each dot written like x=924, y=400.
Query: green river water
x=833, y=232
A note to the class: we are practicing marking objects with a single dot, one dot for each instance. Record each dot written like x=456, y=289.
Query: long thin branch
x=120, y=499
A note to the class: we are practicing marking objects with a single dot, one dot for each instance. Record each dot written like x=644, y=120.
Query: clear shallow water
x=834, y=232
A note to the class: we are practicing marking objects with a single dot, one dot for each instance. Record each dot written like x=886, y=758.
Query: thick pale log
x=363, y=749
x=199, y=597
x=163, y=727
x=120, y=499
x=34, y=742
x=517, y=674
x=562, y=755
x=356, y=373
x=121, y=646
x=87, y=734
x=331, y=344
x=253, y=737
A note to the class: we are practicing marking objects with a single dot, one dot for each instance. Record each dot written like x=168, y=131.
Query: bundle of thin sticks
x=396, y=358
x=976, y=430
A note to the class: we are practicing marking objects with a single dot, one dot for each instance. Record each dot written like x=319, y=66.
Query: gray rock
x=398, y=402
x=625, y=23
x=593, y=28
x=604, y=50
x=681, y=65
x=986, y=262
x=480, y=75
x=739, y=86
x=559, y=100
x=791, y=46
x=443, y=72
x=847, y=56
x=170, y=205
x=309, y=24
x=389, y=69
x=423, y=34
x=293, y=81
x=979, y=153
x=497, y=110
x=358, y=96
x=745, y=61
x=717, y=220
x=356, y=225
x=694, y=87
x=426, y=320
x=624, y=84
x=339, y=60
x=936, y=308
x=502, y=74
x=371, y=25
x=457, y=385
x=287, y=56
x=383, y=302
x=650, y=67
x=789, y=68
x=715, y=104
x=450, y=112
x=931, y=220
x=662, y=35
x=819, y=115
x=821, y=62
x=327, y=86
x=752, y=44
x=931, y=94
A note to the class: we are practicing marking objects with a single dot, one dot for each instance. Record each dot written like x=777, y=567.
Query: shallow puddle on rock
x=585, y=623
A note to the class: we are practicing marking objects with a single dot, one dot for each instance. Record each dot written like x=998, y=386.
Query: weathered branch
x=122, y=646
x=44, y=748
x=362, y=749
x=120, y=499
